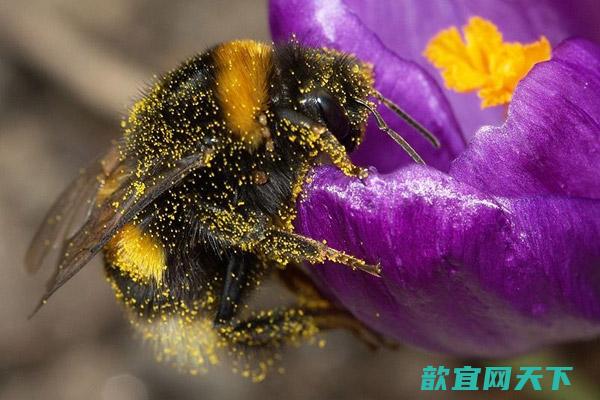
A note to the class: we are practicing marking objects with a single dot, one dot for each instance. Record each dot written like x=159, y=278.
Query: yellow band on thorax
x=242, y=86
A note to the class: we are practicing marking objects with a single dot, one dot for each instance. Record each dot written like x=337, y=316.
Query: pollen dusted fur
x=137, y=254
x=193, y=207
x=242, y=84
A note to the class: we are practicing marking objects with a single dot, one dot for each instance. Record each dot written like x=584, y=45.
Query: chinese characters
x=469, y=378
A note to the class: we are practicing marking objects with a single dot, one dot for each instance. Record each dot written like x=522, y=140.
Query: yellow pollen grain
x=482, y=61
x=140, y=188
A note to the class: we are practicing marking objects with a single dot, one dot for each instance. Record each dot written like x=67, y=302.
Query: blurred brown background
x=68, y=71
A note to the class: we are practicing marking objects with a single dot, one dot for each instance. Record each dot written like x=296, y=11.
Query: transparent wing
x=117, y=209
x=72, y=207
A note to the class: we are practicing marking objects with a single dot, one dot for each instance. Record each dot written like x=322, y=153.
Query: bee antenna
x=382, y=125
x=435, y=142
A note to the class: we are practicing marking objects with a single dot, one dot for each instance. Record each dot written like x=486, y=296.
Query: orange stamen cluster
x=482, y=61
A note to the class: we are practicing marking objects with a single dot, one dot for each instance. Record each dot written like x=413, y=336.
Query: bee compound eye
x=332, y=114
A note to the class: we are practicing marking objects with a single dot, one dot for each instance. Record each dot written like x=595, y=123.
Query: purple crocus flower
x=405, y=27
x=492, y=249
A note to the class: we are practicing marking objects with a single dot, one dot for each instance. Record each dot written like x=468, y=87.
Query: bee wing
x=119, y=208
x=74, y=205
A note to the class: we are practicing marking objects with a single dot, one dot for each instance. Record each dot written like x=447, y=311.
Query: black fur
x=198, y=258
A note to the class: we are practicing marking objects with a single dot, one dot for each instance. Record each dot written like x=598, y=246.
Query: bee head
x=326, y=86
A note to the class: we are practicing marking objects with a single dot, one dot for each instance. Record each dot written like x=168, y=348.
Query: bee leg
x=339, y=319
x=299, y=283
x=279, y=245
x=323, y=139
x=236, y=281
x=330, y=145
x=293, y=325
x=326, y=314
x=286, y=247
x=272, y=328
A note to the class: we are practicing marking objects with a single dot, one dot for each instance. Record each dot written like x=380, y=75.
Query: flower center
x=482, y=61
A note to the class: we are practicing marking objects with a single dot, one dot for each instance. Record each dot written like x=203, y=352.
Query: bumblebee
x=193, y=207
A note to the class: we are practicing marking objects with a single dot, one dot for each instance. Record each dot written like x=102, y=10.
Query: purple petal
x=463, y=272
x=406, y=26
x=331, y=24
x=498, y=257
x=550, y=143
